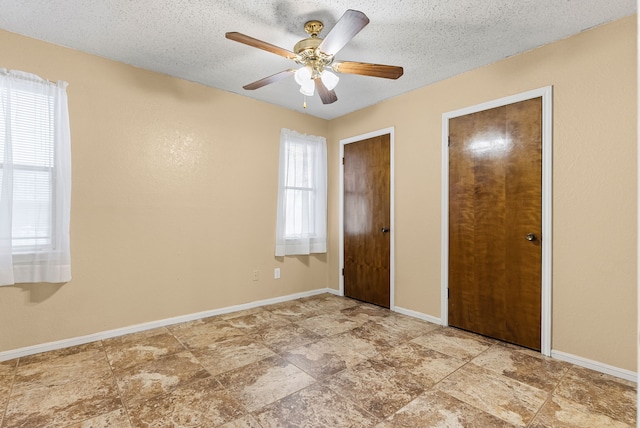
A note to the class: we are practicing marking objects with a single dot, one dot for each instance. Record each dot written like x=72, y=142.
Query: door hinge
x=342, y=160
x=449, y=141
x=448, y=293
x=342, y=271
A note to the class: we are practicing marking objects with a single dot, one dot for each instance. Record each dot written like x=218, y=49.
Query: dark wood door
x=367, y=245
x=495, y=222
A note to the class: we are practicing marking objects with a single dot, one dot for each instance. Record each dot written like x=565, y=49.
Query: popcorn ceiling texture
x=432, y=40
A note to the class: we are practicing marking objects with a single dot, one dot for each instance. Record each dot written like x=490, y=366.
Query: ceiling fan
x=316, y=56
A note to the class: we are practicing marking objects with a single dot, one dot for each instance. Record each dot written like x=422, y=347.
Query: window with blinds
x=29, y=128
x=299, y=191
x=301, y=217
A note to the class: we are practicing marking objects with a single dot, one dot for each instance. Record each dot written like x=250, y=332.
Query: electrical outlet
x=256, y=275
x=276, y=273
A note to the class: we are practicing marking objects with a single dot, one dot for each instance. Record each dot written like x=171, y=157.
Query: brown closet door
x=367, y=195
x=495, y=222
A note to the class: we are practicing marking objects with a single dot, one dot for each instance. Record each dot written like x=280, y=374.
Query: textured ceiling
x=432, y=40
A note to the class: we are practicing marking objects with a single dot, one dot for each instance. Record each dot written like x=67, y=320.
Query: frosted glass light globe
x=329, y=79
x=303, y=75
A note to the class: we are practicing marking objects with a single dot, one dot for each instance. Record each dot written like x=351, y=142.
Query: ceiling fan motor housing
x=307, y=50
x=307, y=47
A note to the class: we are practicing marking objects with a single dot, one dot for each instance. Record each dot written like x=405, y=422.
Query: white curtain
x=301, y=224
x=35, y=180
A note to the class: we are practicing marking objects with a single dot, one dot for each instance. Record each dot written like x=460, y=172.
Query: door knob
x=531, y=237
x=385, y=230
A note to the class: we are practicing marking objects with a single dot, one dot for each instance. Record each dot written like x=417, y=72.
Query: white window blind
x=31, y=123
x=35, y=180
x=301, y=225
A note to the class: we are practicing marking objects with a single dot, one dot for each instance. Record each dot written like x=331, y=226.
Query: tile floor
x=321, y=361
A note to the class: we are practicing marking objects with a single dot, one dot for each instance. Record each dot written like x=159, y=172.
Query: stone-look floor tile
x=201, y=334
x=405, y=328
x=115, y=419
x=257, y=321
x=331, y=303
x=388, y=328
x=368, y=339
x=376, y=387
x=76, y=364
x=232, y=354
x=498, y=395
x=60, y=353
x=561, y=413
x=133, y=349
x=264, y=382
x=604, y=394
x=8, y=368
x=428, y=366
x=204, y=403
x=246, y=421
x=538, y=371
x=366, y=311
x=437, y=409
x=330, y=324
x=294, y=310
x=62, y=404
x=144, y=381
x=325, y=357
x=135, y=337
x=314, y=406
x=281, y=339
x=238, y=314
x=500, y=383
x=7, y=373
x=456, y=343
x=372, y=338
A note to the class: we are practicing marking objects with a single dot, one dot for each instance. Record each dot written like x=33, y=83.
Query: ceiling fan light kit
x=316, y=56
x=303, y=78
x=329, y=79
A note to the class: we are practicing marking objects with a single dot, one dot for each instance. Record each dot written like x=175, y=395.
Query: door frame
x=547, y=151
x=392, y=233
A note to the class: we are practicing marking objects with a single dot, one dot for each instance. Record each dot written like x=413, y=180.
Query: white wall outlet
x=276, y=273
x=256, y=275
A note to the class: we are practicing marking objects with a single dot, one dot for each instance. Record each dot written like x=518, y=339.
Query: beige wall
x=174, y=195
x=173, y=204
x=594, y=183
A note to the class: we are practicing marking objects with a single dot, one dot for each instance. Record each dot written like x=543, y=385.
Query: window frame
x=301, y=222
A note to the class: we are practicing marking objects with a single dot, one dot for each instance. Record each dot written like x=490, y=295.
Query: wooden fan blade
x=248, y=40
x=268, y=80
x=345, y=29
x=326, y=95
x=366, y=69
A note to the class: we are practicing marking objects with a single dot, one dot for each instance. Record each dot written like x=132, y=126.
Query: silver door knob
x=531, y=237
x=384, y=230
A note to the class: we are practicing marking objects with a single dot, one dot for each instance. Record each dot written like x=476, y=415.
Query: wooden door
x=367, y=195
x=495, y=222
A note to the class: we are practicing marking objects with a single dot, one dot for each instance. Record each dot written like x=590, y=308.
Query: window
x=301, y=226
x=35, y=180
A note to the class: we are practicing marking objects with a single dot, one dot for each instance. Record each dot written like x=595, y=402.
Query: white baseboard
x=65, y=343
x=595, y=365
x=418, y=315
x=563, y=356
x=80, y=340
